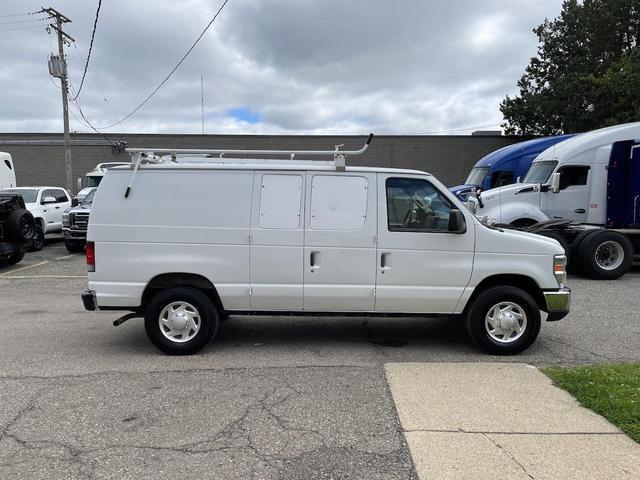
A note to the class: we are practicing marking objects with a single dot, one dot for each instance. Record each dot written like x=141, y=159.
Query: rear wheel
x=21, y=225
x=503, y=320
x=605, y=255
x=181, y=320
x=37, y=242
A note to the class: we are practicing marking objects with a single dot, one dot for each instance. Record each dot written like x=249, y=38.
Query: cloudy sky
x=274, y=66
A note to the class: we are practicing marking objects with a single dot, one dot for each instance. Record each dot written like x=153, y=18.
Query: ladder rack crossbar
x=228, y=151
x=138, y=156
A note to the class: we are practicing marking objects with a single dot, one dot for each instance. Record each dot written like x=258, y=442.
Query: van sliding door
x=277, y=237
x=339, y=247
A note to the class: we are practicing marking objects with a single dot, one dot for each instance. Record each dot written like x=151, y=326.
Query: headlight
x=560, y=268
x=65, y=220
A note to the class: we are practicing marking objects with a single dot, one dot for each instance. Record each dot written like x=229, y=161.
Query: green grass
x=613, y=391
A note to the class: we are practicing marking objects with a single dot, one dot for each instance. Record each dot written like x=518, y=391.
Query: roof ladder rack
x=140, y=155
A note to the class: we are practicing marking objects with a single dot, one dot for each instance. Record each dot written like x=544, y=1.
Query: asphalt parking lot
x=269, y=398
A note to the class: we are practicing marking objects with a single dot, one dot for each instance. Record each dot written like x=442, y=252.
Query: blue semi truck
x=504, y=166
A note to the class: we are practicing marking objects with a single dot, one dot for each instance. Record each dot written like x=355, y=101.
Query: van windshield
x=540, y=172
x=92, y=181
x=29, y=195
x=476, y=175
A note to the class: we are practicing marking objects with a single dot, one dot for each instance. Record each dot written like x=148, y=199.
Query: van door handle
x=579, y=210
x=314, y=259
x=385, y=262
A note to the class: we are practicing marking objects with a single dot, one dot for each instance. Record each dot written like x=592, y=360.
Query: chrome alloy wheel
x=179, y=321
x=609, y=255
x=506, y=322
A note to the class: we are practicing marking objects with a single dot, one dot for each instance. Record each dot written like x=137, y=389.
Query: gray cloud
x=304, y=66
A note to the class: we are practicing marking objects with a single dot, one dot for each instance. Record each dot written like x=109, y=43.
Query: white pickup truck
x=46, y=204
x=184, y=243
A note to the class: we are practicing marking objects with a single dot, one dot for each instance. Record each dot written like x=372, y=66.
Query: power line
x=17, y=14
x=171, y=72
x=20, y=28
x=31, y=20
x=86, y=65
x=93, y=78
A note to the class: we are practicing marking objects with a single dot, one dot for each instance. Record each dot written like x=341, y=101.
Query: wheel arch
x=524, y=282
x=40, y=222
x=181, y=279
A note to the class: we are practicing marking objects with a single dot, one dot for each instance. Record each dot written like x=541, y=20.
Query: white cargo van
x=184, y=243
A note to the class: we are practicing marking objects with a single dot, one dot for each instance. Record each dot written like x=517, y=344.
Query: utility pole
x=202, y=100
x=58, y=68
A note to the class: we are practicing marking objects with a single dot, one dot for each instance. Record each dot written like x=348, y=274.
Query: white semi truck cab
x=93, y=178
x=592, y=179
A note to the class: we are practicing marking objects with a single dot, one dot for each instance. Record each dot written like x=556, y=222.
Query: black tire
x=575, y=265
x=599, y=243
x=560, y=239
x=74, y=247
x=207, y=312
x=485, y=302
x=37, y=242
x=21, y=225
x=12, y=259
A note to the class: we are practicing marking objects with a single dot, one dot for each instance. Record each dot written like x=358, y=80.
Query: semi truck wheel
x=21, y=225
x=605, y=255
x=181, y=320
x=503, y=320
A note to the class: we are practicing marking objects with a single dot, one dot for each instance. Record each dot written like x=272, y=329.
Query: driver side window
x=415, y=205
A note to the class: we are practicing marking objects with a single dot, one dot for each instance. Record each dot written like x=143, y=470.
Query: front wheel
x=181, y=320
x=74, y=247
x=12, y=259
x=503, y=320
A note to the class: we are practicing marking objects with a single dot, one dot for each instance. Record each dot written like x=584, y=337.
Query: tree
x=586, y=74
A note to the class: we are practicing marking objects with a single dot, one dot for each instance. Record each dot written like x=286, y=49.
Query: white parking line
x=66, y=256
x=24, y=268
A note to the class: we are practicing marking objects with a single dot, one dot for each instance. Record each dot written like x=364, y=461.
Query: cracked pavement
x=270, y=398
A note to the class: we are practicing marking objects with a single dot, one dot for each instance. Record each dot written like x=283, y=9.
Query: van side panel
x=145, y=235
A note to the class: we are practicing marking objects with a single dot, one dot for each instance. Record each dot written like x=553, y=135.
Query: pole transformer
x=58, y=68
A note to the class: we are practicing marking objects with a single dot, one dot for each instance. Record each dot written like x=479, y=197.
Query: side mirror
x=518, y=180
x=47, y=200
x=555, y=183
x=74, y=202
x=457, y=223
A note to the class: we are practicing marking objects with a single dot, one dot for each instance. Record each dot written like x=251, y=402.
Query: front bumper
x=89, y=300
x=71, y=234
x=558, y=303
